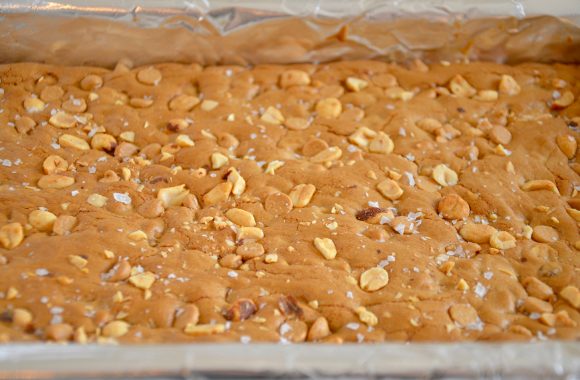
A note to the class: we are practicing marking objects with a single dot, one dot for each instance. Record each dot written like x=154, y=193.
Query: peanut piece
x=452, y=206
x=116, y=329
x=206, y=329
x=326, y=247
x=42, y=220
x=537, y=288
x=63, y=120
x=273, y=166
x=356, y=84
x=209, y=105
x=142, y=280
x=444, y=176
x=78, y=261
x=567, y=145
x=563, y=101
x=183, y=102
x=545, y=234
x=461, y=87
x=187, y=315
x=11, y=235
x=91, y=82
x=362, y=137
x=149, y=76
x=60, y=332
x=374, y=279
x=486, y=95
x=390, y=189
x=24, y=124
x=500, y=135
x=104, y=142
x=508, y=85
x=366, y=316
x=250, y=250
x=70, y=141
x=241, y=217
x=140, y=102
x=318, y=330
x=327, y=155
x=272, y=116
x=32, y=105
x=329, y=108
x=302, y=194
x=381, y=144
x=21, y=318
x=55, y=181
x=172, y=196
x=296, y=123
x=218, y=160
x=536, y=305
x=64, y=224
x=54, y=164
x=238, y=182
x=571, y=294
x=184, y=141
x=502, y=240
x=97, y=200
x=463, y=314
x=294, y=78
x=477, y=233
x=220, y=193
x=250, y=233
x=540, y=184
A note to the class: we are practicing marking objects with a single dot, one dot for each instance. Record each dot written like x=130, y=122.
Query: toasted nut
x=463, y=314
x=429, y=124
x=137, y=235
x=142, y=280
x=32, y=105
x=444, y=176
x=63, y=120
x=238, y=182
x=250, y=233
x=273, y=166
x=356, y=84
x=184, y=141
x=74, y=105
x=70, y=141
x=500, y=135
x=149, y=76
x=187, y=315
x=218, y=160
x=462, y=285
x=250, y=250
x=220, y=193
x=302, y=194
x=241, y=310
x=326, y=247
x=271, y=258
x=183, y=102
x=575, y=214
x=51, y=93
x=536, y=305
x=296, y=123
x=563, y=101
x=140, y=102
x=541, y=184
x=228, y=141
x=91, y=82
x=278, y=204
x=381, y=144
x=109, y=177
x=24, y=124
x=397, y=93
x=477, y=233
x=318, y=330
x=537, y=288
x=571, y=294
x=362, y=137
x=390, y=189
x=97, y=200
x=176, y=125
x=486, y=95
x=127, y=136
x=116, y=329
x=374, y=279
x=119, y=272
x=327, y=155
x=545, y=234
x=209, y=105
x=561, y=318
x=207, y=329
x=502, y=240
x=241, y=217
x=294, y=78
x=447, y=267
x=64, y=224
x=78, y=261
x=402, y=225
x=59, y=332
x=55, y=181
x=11, y=235
x=567, y=145
x=329, y=108
x=54, y=164
x=172, y=196
x=452, y=206
x=273, y=116
x=42, y=220
x=21, y=318
x=105, y=142
x=508, y=85
x=461, y=87
x=367, y=317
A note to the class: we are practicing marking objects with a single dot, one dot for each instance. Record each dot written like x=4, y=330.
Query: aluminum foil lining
x=101, y=32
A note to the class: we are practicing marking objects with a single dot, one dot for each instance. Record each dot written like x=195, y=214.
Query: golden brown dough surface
x=345, y=202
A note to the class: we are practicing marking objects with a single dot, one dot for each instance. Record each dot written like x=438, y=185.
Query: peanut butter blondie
x=344, y=202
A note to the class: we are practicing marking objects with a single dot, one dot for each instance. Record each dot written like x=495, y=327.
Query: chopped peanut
x=382, y=143
x=302, y=194
x=326, y=247
x=374, y=279
x=567, y=145
x=356, y=84
x=250, y=233
x=571, y=294
x=545, y=234
x=21, y=318
x=104, y=142
x=238, y=182
x=192, y=329
x=149, y=76
x=142, y=280
x=329, y=108
x=55, y=181
x=272, y=116
x=502, y=240
x=70, y=141
x=444, y=176
x=97, y=200
x=390, y=189
x=541, y=184
x=42, y=220
x=241, y=217
x=220, y=193
x=508, y=85
x=11, y=235
x=366, y=316
x=218, y=160
x=461, y=87
x=294, y=78
x=63, y=120
x=183, y=102
x=116, y=329
x=330, y=154
x=463, y=314
x=563, y=101
x=33, y=105
x=452, y=206
x=54, y=164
